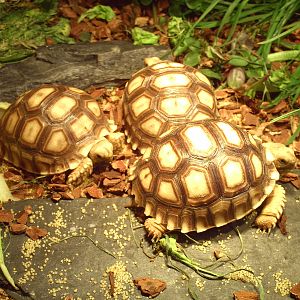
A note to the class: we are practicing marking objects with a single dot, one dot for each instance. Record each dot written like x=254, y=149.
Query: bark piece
x=150, y=287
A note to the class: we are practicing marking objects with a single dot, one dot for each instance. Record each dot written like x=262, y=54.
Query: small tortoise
x=163, y=94
x=54, y=128
x=206, y=174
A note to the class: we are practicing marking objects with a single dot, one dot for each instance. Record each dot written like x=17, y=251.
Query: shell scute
x=198, y=190
x=51, y=128
x=162, y=95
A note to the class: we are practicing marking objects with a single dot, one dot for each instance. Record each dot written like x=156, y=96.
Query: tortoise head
x=284, y=157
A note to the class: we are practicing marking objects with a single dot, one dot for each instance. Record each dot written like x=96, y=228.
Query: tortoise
x=206, y=174
x=163, y=94
x=54, y=128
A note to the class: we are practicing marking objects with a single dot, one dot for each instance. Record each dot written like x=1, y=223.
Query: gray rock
x=79, y=65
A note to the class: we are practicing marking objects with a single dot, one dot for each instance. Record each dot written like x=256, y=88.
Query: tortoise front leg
x=272, y=209
x=84, y=169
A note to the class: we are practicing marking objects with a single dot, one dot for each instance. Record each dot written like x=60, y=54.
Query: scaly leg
x=272, y=209
x=84, y=169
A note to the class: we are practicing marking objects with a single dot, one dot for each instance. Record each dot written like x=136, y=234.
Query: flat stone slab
x=84, y=235
x=81, y=65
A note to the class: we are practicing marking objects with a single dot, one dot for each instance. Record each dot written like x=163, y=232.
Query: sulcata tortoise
x=54, y=128
x=206, y=174
x=161, y=95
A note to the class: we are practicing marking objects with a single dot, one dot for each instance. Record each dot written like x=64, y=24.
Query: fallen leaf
x=68, y=12
x=150, y=287
x=17, y=228
x=288, y=177
x=141, y=21
x=282, y=224
x=77, y=192
x=67, y=195
x=296, y=146
x=28, y=209
x=110, y=182
x=296, y=183
x=282, y=105
x=13, y=177
x=282, y=137
x=6, y=216
x=295, y=291
x=245, y=295
x=112, y=174
x=250, y=119
x=35, y=232
x=56, y=197
x=119, y=165
x=59, y=187
x=59, y=178
x=94, y=191
x=22, y=217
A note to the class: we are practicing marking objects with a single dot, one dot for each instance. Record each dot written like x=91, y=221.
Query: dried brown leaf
x=296, y=183
x=58, y=187
x=282, y=224
x=141, y=21
x=94, y=191
x=150, y=287
x=13, y=177
x=112, y=174
x=68, y=12
x=56, y=196
x=22, y=217
x=110, y=182
x=282, y=105
x=250, y=119
x=245, y=295
x=6, y=216
x=295, y=291
x=67, y=195
x=35, y=232
x=282, y=137
x=120, y=165
x=17, y=228
x=59, y=178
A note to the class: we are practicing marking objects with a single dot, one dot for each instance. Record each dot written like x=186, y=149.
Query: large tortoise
x=164, y=94
x=54, y=128
x=206, y=174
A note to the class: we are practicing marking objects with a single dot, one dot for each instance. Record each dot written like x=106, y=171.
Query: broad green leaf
x=238, y=61
x=211, y=74
x=98, y=12
x=143, y=37
x=192, y=58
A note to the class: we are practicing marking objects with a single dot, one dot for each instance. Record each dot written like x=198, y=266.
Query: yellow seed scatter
x=115, y=232
x=245, y=275
x=203, y=247
x=123, y=284
x=59, y=220
x=282, y=285
x=29, y=247
x=200, y=284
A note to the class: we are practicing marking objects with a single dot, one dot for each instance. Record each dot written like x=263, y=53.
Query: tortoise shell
x=51, y=128
x=202, y=175
x=164, y=94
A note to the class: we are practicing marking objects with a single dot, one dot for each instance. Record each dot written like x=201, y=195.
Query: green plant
x=24, y=29
x=98, y=12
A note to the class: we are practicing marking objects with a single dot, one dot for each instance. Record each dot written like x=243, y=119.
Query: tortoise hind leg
x=272, y=209
x=155, y=230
